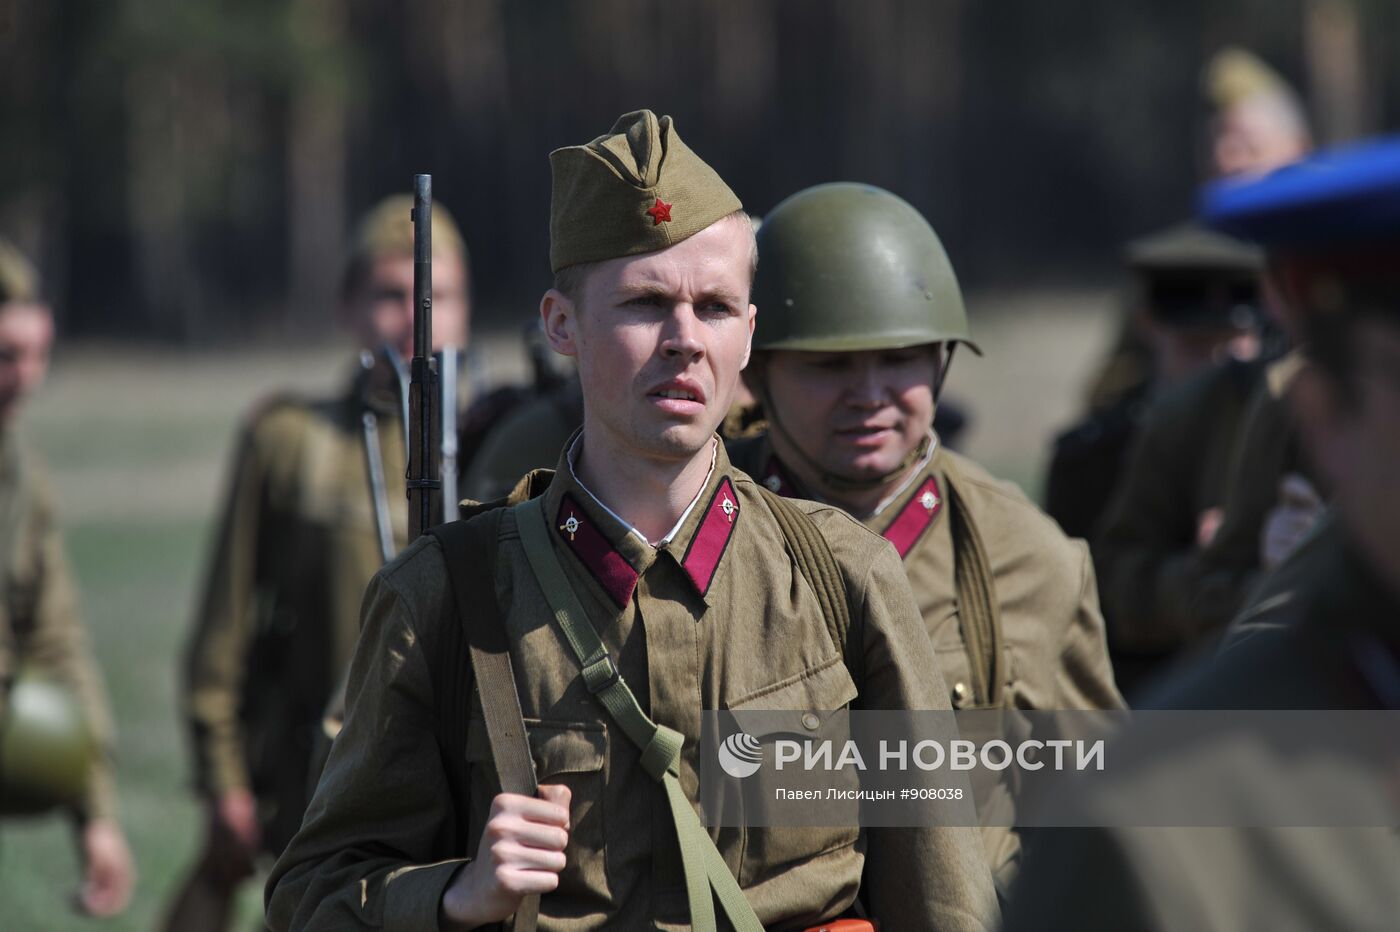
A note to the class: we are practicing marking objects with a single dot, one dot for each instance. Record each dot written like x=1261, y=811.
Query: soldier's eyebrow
x=664, y=295
x=723, y=295
x=643, y=290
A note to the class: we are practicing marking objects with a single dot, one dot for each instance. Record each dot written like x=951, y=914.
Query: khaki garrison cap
x=18, y=280
x=636, y=189
x=387, y=230
x=1235, y=75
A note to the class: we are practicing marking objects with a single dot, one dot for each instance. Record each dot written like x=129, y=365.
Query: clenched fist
x=521, y=852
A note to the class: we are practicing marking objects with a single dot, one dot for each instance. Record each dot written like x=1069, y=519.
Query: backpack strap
x=817, y=564
x=468, y=548
x=701, y=862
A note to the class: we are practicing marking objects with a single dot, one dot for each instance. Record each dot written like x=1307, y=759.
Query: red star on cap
x=659, y=212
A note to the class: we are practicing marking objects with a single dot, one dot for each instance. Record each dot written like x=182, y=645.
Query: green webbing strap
x=661, y=746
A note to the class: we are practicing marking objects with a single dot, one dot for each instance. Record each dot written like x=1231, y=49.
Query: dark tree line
x=187, y=169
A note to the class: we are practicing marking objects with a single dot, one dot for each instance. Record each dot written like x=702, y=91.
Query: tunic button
x=959, y=693
x=810, y=721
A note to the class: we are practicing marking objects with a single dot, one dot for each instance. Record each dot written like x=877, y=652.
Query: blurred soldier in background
x=305, y=526
x=1259, y=122
x=42, y=642
x=1195, y=297
x=1332, y=225
x=1272, y=497
x=552, y=377
x=526, y=438
x=859, y=312
x=1258, y=125
x=1202, y=295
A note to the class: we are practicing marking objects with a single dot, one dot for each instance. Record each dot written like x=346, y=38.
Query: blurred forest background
x=186, y=171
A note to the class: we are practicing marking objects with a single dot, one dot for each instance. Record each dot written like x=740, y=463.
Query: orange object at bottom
x=846, y=925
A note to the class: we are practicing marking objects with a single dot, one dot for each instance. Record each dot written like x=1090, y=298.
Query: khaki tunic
x=39, y=622
x=1258, y=878
x=718, y=617
x=1055, y=655
x=280, y=614
x=1146, y=553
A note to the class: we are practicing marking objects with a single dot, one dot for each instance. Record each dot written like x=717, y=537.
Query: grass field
x=137, y=441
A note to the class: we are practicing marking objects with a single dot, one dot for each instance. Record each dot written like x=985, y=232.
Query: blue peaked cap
x=1347, y=195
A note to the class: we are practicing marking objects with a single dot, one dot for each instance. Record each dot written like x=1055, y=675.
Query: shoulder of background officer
x=1147, y=546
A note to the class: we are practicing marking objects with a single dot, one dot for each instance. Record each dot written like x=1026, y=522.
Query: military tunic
x=39, y=622
x=1260, y=877
x=280, y=615
x=1055, y=655
x=714, y=617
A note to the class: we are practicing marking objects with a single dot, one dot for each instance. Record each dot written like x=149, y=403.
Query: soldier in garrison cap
x=860, y=311
x=303, y=530
x=1203, y=298
x=1259, y=122
x=1331, y=225
x=643, y=580
x=56, y=736
x=1195, y=296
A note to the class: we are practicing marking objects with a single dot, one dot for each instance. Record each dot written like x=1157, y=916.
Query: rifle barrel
x=422, y=478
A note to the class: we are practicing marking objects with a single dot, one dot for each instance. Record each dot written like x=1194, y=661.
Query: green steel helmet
x=847, y=267
x=46, y=748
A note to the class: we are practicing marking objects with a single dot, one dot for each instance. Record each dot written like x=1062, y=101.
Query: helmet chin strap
x=840, y=483
x=835, y=481
x=943, y=372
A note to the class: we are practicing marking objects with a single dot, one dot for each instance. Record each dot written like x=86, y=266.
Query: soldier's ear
x=748, y=347
x=559, y=316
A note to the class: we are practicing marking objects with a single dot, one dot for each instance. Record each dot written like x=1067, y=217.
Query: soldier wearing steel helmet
x=859, y=314
x=304, y=527
x=56, y=737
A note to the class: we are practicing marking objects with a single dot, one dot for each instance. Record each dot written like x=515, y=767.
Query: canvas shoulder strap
x=469, y=549
x=704, y=868
x=812, y=554
x=972, y=574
